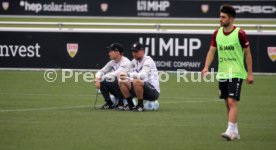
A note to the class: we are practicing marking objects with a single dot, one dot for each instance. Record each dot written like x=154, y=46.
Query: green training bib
x=230, y=55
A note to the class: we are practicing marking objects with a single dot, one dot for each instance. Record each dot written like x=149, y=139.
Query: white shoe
x=230, y=136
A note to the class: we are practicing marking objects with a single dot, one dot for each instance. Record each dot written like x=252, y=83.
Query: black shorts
x=230, y=88
x=112, y=87
x=150, y=93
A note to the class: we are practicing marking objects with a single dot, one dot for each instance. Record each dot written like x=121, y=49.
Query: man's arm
x=101, y=72
x=124, y=67
x=248, y=60
x=209, y=60
x=144, y=72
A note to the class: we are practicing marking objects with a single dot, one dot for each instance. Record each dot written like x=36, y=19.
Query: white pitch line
x=45, y=94
x=85, y=95
x=186, y=102
x=194, y=98
x=45, y=108
x=84, y=106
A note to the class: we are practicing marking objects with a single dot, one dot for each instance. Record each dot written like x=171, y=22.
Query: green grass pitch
x=37, y=115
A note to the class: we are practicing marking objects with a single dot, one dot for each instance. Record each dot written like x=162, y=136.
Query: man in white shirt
x=106, y=78
x=142, y=81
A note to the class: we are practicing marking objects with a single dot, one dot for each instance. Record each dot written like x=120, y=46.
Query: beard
x=224, y=24
x=138, y=58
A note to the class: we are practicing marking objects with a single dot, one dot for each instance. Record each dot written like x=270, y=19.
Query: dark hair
x=228, y=9
x=116, y=47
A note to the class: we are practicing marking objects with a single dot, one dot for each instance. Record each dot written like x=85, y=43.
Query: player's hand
x=97, y=84
x=250, y=79
x=204, y=72
x=123, y=76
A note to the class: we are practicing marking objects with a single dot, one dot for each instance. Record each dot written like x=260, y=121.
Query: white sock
x=231, y=127
x=236, y=128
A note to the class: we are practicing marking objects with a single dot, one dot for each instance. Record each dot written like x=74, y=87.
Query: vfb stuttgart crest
x=204, y=8
x=104, y=7
x=72, y=49
x=271, y=51
x=5, y=5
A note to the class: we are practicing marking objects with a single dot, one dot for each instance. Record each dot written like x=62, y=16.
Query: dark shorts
x=112, y=88
x=230, y=88
x=150, y=93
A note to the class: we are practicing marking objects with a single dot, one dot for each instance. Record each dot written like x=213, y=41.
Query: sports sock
x=130, y=102
x=236, y=128
x=231, y=127
x=140, y=103
x=109, y=102
x=121, y=102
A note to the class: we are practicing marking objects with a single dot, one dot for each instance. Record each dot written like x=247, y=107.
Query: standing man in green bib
x=232, y=45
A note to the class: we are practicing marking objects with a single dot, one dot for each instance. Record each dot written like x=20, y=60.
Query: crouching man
x=142, y=81
x=106, y=78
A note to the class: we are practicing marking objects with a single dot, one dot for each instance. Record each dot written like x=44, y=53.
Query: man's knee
x=121, y=83
x=138, y=82
x=232, y=102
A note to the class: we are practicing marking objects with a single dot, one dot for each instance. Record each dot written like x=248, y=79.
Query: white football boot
x=230, y=136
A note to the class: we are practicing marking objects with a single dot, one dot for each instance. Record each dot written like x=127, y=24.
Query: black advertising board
x=79, y=50
x=137, y=8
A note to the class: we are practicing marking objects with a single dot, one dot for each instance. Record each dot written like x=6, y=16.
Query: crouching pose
x=142, y=81
x=106, y=78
